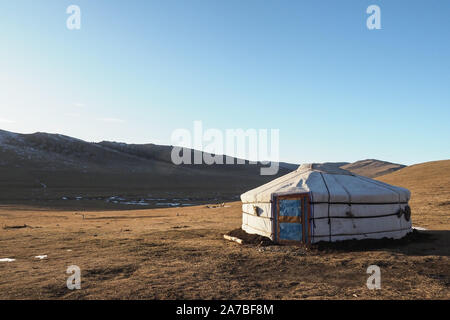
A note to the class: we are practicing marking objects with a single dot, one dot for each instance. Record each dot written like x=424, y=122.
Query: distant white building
x=319, y=202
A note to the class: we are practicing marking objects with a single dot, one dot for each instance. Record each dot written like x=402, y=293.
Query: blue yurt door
x=293, y=213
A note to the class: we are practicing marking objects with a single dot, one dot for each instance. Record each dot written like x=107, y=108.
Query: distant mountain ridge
x=66, y=165
x=65, y=152
x=372, y=168
x=43, y=165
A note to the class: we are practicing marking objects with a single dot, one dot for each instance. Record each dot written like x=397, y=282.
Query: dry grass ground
x=180, y=253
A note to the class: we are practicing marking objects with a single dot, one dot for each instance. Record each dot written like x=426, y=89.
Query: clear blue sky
x=137, y=70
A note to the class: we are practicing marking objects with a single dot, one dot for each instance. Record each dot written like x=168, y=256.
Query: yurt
x=320, y=202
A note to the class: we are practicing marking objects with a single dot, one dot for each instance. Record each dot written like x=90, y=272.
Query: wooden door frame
x=306, y=229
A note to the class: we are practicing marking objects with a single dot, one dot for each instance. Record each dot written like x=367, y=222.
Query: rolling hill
x=52, y=167
x=372, y=168
x=429, y=184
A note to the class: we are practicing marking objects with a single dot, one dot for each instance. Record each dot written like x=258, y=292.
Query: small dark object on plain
x=248, y=238
x=16, y=227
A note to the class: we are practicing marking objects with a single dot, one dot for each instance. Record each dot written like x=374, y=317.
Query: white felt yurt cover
x=334, y=194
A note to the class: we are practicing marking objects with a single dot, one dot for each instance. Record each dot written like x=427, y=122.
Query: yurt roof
x=328, y=184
